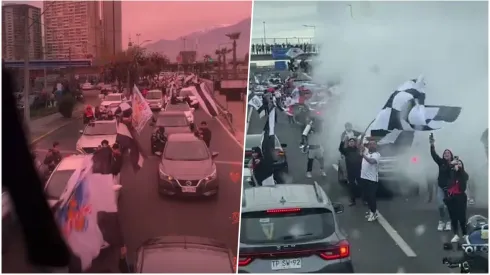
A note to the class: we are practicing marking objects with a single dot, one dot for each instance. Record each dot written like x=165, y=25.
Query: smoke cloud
x=372, y=47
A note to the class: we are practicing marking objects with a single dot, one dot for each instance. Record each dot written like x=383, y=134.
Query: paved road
x=145, y=214
x=373, y=249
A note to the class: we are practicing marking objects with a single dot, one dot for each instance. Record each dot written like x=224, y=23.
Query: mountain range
x=206, y=42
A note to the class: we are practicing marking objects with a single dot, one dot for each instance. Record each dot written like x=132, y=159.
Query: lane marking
x=396, y=237
x=61, y=151
x=228, y=162
x=335, y=166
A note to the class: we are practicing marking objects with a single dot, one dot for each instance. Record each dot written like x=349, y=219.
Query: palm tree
x=224, y=51
x=234, y=36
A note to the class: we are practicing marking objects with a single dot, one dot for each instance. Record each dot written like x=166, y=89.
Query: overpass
x=276, y=48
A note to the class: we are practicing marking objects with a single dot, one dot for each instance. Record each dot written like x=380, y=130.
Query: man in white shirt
x=369, y=177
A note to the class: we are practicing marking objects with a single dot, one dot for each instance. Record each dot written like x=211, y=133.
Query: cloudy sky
x=283, y=20
x=171, y=20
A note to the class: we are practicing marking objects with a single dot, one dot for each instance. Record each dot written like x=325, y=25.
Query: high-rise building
x=14, y=31
x=72, y=29
x=112, y=25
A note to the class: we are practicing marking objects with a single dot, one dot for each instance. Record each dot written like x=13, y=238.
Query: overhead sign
x=49, y=63
x=280, y=65
x=280, y=53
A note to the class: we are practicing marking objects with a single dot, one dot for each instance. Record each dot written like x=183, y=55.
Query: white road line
x=229, y=162
x=396, y=237
x=335, y=166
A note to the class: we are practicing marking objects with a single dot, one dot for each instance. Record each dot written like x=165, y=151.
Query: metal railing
x=290, y=40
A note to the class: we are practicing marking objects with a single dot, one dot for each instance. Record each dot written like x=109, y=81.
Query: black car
x=184, y=254
x=174, y=122
x=281, y=161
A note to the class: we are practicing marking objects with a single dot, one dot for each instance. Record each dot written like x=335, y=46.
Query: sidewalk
x=237, y=110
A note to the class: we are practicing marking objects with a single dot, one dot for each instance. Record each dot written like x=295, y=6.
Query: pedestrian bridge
x=276, y=48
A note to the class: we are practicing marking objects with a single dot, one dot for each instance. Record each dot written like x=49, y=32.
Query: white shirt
x=370, y=171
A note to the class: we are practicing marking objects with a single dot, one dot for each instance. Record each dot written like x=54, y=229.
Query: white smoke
x=373, y=47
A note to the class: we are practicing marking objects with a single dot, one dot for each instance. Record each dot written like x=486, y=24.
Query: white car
x=56, y=184
x=182, y=107
x=87, y=86
x=155, y=99
x=112, y=101
x=94, y=133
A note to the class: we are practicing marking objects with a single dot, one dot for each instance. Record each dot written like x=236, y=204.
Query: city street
x=144, y=213
x=403, y=240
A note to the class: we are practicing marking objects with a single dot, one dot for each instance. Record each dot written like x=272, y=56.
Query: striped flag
x=294, y=52
x=268, y=141
x=126, y=140
x=206, y=102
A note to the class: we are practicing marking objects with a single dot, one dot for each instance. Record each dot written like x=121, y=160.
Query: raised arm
x=437, y=159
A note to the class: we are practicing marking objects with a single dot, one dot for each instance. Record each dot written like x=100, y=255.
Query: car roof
x=256, y=140
x=71, y=162
x=182, y=137
x=303, y=195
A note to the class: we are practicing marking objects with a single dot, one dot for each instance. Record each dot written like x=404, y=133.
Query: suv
x=291, y=228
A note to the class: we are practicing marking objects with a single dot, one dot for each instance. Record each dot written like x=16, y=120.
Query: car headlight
x=212, y=176
x=163, y=175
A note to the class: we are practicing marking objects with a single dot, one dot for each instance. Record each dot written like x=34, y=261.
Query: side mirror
x=284, y=145
x=81, y=132
x=338, y=207
x=214, y=154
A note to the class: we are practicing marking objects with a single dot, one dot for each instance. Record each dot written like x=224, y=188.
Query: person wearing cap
x=350, y=152
x=257, y=167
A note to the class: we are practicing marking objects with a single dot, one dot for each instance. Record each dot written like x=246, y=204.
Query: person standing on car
x=369, y=177
x=257, y=167
x=444, y=164
x=348, y=149
x=456, y=200
x=206, y=133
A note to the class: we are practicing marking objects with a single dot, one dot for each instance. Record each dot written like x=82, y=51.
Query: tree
x=234, y=36
x=224, y=52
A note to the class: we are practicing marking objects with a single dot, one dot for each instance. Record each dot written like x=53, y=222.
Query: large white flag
x=141, y=110
x=86, y=195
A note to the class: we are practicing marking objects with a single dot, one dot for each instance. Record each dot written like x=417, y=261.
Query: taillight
x=318, y=113
x=415, y=159
x=280, y=152
x=341, y=250
x=284, y=210
x=243, y=261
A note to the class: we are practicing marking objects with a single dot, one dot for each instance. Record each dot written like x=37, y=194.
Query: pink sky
x=171, y=20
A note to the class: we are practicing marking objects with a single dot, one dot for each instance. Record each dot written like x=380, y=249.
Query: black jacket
x=52, y=156
x=206, y=135
x=444, y=168
x=117, y=162
x=353, y=159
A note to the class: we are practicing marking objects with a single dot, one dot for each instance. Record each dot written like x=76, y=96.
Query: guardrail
x=260, y=49
x=290, y=40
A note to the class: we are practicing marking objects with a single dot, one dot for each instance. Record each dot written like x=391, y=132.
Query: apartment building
x=112, y=26
x=72, y=29
x=14, y=31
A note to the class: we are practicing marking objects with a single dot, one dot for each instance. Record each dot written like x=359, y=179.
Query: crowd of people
x=269, y=48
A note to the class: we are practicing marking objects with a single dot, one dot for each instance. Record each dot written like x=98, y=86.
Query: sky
x=171, y=20
x=283, y=21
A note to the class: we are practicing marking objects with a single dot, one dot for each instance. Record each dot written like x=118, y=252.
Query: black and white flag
x=406, y=110
x=268, y=142
x=127, y=142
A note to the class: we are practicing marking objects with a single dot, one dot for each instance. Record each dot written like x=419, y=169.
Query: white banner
x=141, y=111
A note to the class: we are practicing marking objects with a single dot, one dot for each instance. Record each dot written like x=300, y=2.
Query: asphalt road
x=144, y=213
x=374, y=250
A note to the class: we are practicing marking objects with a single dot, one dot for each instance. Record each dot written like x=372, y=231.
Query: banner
x=141, y=111
x=280, y=53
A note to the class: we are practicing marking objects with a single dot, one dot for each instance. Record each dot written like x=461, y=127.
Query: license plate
x=188, y=189
x=285, y=264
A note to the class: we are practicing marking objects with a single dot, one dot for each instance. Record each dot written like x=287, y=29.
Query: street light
x=311, y=27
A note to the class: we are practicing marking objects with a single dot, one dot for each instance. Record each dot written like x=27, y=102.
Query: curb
x=39, y=138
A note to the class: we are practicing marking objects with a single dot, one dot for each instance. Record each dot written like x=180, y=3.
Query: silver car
x=291, y=228
x=155, y=100
x=94, y=133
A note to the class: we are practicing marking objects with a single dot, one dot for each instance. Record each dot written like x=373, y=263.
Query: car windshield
x=113, y=98
x=172, y=121
x=57, y=183
x=305, y=225
x=178, y=107
x=96, y=129
x=154, y=95
x=186, y=150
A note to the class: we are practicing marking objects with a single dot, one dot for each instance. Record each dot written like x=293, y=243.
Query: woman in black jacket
x=456, y=199
x=444, y=164
x=348, y=149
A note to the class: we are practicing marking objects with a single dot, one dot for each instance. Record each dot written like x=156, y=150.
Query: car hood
x=94, y=141
x=189, y=170
x=154, y=100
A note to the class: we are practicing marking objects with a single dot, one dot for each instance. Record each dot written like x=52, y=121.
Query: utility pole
x=27, y=84
x=45, y=82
